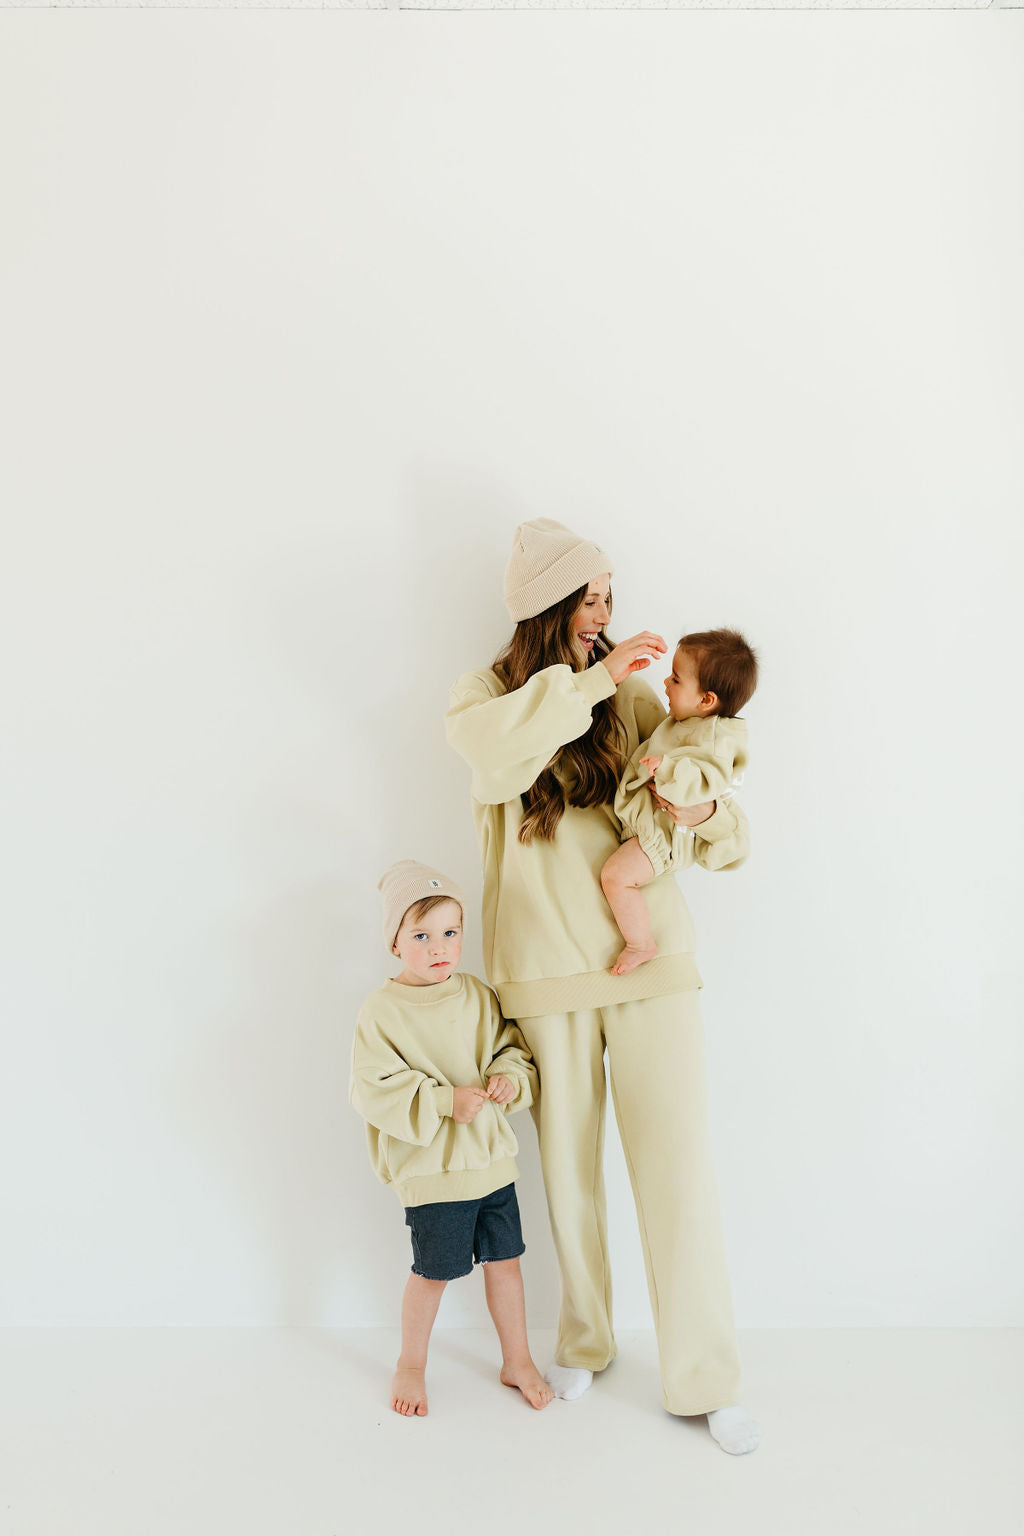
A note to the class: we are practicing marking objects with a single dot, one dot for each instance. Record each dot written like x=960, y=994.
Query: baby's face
x=430, y=949
x=684, y=693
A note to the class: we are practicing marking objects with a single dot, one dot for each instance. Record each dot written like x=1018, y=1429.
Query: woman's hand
x=628, y=656
x=501, y=1089
x=684, y=815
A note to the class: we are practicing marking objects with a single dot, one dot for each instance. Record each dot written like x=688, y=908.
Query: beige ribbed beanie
x=406, y=882
x=548, y=561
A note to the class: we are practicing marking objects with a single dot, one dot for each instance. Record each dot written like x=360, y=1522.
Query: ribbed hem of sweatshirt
x=467, y=1184
x=598, y=989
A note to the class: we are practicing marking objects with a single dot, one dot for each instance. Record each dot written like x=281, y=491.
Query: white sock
x=735, y=1429
x=568, y=1381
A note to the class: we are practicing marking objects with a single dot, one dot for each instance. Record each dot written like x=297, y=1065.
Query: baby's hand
x=652, y=764
x=501, y=1088
x=467, y=1104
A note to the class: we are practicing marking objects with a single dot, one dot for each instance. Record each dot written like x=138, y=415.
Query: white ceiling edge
x=510, y=5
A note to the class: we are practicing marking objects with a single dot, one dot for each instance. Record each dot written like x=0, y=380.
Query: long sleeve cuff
x=595, y=683
x=444, y=1099
x=721, y=824
x=515, y=1078
x=518, y=1082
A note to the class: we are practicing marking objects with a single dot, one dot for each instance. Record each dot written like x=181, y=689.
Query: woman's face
x=593, y=613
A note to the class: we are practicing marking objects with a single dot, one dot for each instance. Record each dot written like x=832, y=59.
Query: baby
x=697, y=754
x=435, y=1071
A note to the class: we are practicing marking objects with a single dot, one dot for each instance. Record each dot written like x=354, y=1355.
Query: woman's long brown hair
x=594, y=762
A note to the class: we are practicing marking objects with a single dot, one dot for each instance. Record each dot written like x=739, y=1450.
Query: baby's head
x=422, y=922
x=713, y=673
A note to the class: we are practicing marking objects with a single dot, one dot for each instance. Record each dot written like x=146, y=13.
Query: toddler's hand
x=652, y=764
x=501, y=1088
x=467, y=1104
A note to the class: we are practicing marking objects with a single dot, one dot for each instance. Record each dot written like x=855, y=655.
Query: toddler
x=697, y=754
x=435, y=1071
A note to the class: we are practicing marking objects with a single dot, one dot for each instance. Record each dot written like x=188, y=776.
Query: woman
x=546, y=732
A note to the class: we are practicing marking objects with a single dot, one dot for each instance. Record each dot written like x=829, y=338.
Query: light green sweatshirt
x=549, y=935
x=702, y=759
x=412, y=1047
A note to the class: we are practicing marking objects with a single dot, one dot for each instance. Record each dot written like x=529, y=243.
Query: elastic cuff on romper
x=655, y=851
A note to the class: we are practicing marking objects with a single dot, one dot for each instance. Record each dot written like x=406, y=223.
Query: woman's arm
x=508, y=739
x=721, y=839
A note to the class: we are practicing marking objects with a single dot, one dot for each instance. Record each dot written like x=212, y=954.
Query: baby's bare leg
x=503, y=1283
x=419, y=1309
x=623, y=874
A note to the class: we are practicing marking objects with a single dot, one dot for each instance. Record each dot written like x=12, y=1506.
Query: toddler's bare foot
x=632, y=956
x=530, y=1383
x=409, y=1392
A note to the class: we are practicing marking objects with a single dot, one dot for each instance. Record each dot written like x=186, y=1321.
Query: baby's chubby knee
x=614, y=875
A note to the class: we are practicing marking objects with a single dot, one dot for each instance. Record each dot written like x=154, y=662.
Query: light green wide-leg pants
x=656, y=1062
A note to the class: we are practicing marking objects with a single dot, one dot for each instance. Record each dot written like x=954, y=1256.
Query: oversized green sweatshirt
x=549, y=935
x=413, y=1046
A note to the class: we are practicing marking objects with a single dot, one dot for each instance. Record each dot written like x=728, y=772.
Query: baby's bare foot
x=632, y=956
x=530, y=1383
x=409, y=1392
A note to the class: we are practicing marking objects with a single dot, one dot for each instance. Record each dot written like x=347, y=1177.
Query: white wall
x=302, y=314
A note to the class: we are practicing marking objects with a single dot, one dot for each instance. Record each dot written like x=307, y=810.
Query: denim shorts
x=449, y=1236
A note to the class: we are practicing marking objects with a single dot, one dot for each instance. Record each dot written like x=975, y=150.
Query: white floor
x=287, y=1433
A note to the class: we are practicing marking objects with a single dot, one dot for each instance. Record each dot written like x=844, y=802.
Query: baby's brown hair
x=725, y=665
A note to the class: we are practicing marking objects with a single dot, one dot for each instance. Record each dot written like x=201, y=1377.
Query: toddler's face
x=430, y=949
x=684, y=693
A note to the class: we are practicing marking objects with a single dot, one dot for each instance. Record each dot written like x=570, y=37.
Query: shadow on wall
x=368, y=649
x=266, y=1099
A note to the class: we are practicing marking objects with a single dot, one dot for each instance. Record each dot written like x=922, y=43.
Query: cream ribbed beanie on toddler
x=548, y=561
x=407, y=882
